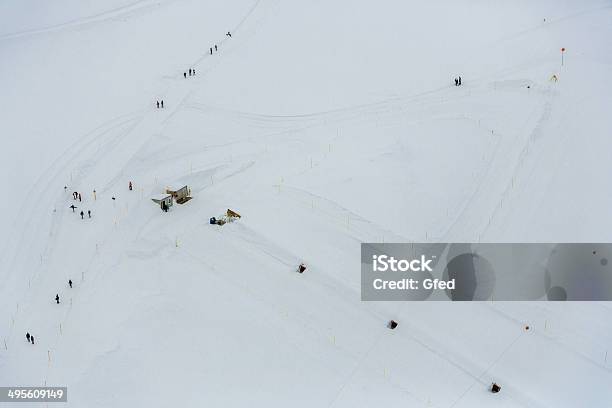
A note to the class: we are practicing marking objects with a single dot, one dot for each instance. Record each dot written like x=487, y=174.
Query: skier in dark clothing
x=162, y=104
x=194, y=72
x=185, y=74
x=459, y=81
x=28, y=337
x=70, y=283
x=32, y=338
x=210, y=50
x=82, y=214
x=130, y=186
x=157, y=104
x=79, y=197
x=89, y=213
x=229, y=34
x=456, y=82
x=57, y=299
x=189, y=71
x=215, y=47
x=73, y=207
x=74, y=195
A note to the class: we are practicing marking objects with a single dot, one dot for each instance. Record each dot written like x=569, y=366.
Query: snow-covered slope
x=325, y=124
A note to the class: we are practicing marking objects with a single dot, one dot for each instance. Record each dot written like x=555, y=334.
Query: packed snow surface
x=324, y=124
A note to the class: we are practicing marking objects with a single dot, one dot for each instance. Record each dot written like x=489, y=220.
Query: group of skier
x=191, y=71
x=458, y=81
x=77, y=196
x=228, y=34
x=57, y=296
x=30, y=337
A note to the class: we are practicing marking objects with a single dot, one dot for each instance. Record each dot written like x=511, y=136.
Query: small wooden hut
x=164, y=201
x=181, y=196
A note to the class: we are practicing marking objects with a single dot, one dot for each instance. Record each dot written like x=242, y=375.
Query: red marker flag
x=562, y=51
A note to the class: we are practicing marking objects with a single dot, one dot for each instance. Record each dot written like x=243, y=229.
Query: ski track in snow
x=134, y=9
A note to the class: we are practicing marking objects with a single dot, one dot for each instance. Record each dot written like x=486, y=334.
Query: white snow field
x=325, y=124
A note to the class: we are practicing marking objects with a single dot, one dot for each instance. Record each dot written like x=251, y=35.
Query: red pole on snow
x=562, y=52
